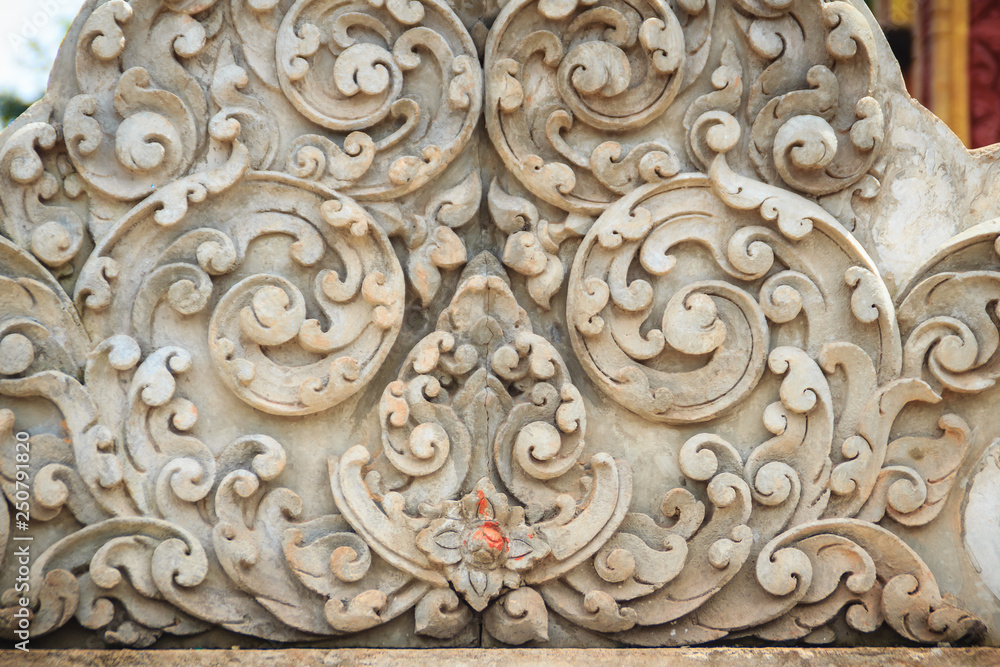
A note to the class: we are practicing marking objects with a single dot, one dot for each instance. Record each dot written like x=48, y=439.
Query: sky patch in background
x=30, y=34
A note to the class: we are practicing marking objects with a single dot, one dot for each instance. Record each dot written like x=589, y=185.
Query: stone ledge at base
x=778, y=657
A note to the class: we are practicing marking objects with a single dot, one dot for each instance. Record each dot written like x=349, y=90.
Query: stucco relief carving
x=243, y=238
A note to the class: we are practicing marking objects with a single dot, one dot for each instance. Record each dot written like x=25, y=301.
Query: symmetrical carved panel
x=292, y=346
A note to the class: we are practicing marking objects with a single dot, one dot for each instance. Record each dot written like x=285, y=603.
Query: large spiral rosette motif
x=815, y=129
x=676, y=344
x=125, y=132
x=561, y=75
x=361, y=71
x=267, y=346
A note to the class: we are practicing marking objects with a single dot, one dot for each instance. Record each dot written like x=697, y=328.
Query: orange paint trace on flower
x=483, y=503
x=491, y=534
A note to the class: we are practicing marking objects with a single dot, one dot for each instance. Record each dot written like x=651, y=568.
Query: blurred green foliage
x=11, y=106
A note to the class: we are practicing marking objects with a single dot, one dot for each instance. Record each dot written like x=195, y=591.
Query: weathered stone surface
x=694, y=338
x=860, y=657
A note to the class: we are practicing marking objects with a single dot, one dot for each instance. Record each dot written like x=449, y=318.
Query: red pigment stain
x=483, y=503
x=491, y=534
x=67, y=438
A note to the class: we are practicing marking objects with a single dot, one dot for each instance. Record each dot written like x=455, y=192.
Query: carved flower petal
x=485, y=504
x=448, y=539
x=525, y=549
x=478, y=586
x=519, y=549
x=479, y=581
x=441, y=541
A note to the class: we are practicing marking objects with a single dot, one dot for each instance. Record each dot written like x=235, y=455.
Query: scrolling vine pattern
x=235, y=193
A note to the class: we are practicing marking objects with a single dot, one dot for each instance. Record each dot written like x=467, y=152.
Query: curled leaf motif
x=702, y=318
x=258, y=129
x=518, y=618
x=533, y=244
x=155, y=139
x=620, y=82
x=952, y=338
x=433, y=244
x=33, y=219
x=360, y=73
x=441, y=614
x=823, y=139
x=356, y=294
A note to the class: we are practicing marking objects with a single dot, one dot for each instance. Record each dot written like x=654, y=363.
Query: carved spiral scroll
x=195, y=173
x=301, y=291
x=609, y=68
x=672, y=343
x=363, y=70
